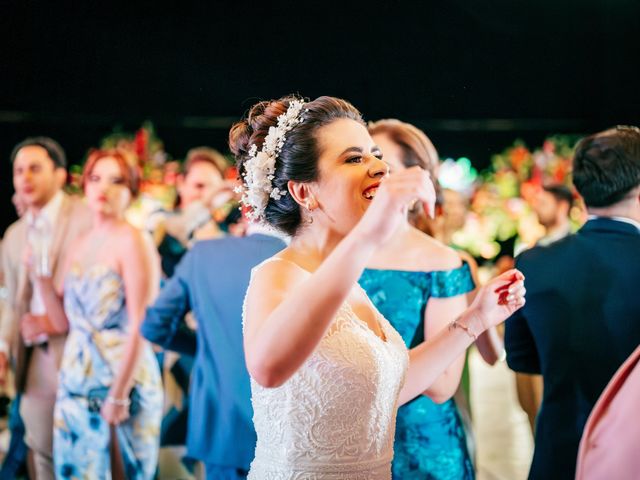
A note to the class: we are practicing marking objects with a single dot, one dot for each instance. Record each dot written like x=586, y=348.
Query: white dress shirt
x=47, y=219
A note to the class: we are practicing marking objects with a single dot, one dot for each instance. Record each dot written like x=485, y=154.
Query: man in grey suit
x=51, y=223
x=211, y=281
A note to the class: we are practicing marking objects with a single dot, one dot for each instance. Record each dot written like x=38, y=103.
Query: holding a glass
x=38, y=259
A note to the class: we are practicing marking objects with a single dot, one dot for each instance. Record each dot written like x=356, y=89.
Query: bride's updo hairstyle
x=298, y=157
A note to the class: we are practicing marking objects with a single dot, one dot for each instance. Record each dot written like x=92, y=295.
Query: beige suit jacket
x=73, y=219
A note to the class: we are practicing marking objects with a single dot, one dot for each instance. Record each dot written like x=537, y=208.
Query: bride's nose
x=378, y=168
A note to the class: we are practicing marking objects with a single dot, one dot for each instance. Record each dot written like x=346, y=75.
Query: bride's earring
x=309, y=219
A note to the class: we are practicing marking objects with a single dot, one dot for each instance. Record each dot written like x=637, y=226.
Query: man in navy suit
x=582, y=317
x=211, y=281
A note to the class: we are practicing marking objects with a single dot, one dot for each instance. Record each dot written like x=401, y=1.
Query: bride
x=328, y=371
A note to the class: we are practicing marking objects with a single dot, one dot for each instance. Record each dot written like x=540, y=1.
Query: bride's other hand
x=394, y=197
x=499, y=299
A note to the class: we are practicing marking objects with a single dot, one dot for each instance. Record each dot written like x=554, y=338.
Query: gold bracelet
x=456, y=324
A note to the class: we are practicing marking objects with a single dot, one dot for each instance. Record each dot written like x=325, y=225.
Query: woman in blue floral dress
x=109, y=402
x=419, y=285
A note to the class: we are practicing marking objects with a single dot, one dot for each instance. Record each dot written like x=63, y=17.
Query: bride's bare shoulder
x=272, y=281
x=278, y=273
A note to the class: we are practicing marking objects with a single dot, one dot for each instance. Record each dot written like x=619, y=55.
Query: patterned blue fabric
x=430, y=440
x=95, y=305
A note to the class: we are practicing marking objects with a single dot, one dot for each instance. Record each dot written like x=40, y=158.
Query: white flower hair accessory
x=259, y=169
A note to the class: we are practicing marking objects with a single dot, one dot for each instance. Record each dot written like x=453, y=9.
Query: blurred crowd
x=121, y=343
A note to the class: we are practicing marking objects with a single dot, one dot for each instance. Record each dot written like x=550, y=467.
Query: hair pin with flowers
x=259, y=168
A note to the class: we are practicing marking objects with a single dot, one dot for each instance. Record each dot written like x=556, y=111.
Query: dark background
x=474, y=75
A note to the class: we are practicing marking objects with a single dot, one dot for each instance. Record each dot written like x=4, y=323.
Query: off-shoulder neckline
x=426, y=272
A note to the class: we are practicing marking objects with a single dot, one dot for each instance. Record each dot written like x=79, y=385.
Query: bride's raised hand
x=396, y=194
x=499, y=299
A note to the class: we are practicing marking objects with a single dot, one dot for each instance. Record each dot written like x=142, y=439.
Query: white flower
x=261, y=165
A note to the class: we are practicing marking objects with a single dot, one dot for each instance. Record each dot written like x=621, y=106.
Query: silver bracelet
x=119, y=402
x=456, y=324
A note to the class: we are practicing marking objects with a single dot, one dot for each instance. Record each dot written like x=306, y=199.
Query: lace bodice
x=334, y=419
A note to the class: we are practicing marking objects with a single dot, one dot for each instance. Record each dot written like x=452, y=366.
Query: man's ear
x=303, y=194
x=179, y=182
x=61, y=177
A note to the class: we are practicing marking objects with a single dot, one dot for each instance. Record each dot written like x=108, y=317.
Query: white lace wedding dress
x=334, y=419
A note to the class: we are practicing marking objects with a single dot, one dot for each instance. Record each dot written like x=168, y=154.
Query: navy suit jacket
x=580, y=323
x=211, y=281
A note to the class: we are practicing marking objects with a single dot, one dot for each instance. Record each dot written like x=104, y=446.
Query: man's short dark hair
x=606, y=166
x=560, y=192
x=53, y=148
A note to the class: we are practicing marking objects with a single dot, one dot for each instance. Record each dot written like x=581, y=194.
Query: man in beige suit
x=52, y=221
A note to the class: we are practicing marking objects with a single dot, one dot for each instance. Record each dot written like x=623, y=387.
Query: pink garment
x=610, y=446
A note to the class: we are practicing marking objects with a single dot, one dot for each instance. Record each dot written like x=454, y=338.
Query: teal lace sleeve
x=449, y=283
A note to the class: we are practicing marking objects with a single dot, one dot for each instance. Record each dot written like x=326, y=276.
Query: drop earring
x=309, y=220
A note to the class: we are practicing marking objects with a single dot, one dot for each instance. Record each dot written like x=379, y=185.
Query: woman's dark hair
x=298, y=158
x=606, y=166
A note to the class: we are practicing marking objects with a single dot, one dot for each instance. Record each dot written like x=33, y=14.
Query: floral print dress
x=95, y=305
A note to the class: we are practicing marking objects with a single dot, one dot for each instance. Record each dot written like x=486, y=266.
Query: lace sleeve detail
x=449, y=283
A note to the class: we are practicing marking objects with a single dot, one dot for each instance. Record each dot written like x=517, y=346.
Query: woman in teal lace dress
x=419, y=285
x=109, y=401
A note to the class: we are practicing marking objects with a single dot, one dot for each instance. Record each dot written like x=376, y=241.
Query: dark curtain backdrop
x=473, y=75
